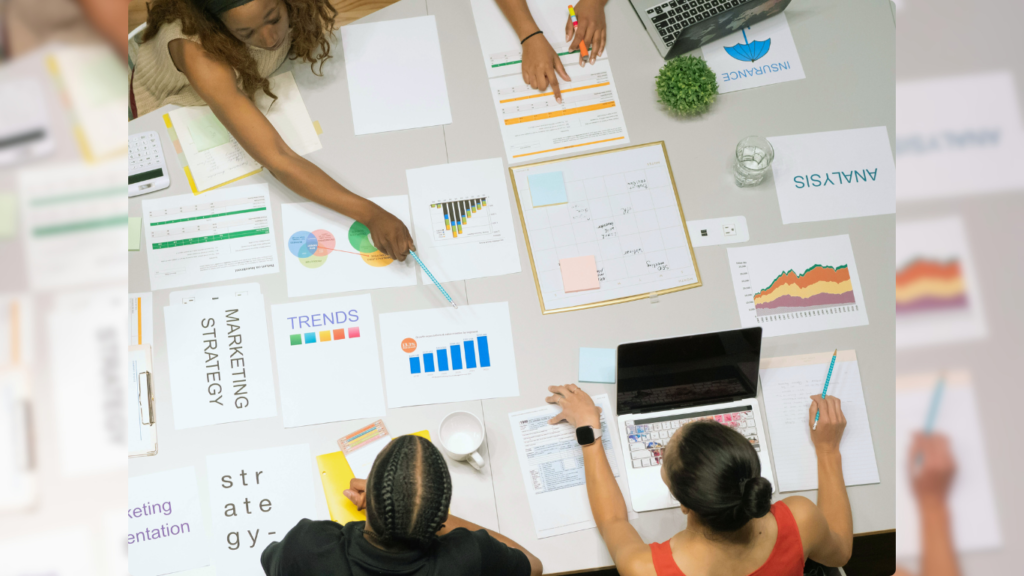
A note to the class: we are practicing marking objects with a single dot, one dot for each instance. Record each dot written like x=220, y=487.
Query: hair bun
x=757, y=497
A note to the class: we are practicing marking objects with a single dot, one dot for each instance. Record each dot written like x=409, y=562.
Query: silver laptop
x=665, y=384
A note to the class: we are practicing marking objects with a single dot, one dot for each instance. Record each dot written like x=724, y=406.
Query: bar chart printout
x=475, y=351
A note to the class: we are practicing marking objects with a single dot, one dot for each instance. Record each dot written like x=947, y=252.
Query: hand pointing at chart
x=389, y=234
x=540, y=62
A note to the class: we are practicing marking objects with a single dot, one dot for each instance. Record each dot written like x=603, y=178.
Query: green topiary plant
x=686, y=85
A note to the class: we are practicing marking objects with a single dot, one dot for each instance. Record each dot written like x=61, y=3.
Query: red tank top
x=786, y=559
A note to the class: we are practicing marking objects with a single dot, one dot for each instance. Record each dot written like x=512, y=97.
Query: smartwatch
x=587, y=435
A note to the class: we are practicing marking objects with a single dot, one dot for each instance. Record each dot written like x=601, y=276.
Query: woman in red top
x=732, y=528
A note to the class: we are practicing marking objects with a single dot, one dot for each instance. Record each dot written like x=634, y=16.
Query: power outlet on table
x=729, y=229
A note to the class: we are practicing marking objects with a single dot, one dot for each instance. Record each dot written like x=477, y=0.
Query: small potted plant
x=686, y=86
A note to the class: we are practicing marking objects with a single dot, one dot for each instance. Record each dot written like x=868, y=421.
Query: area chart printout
x=788, y=384
x=534, y=126
x=447, y=355
x=326, y=252
x=552, y=464
x=798, y=286
x=971, y=499
x=223, y=236
x=464, y=220
x=937, y=295
x=621, y=208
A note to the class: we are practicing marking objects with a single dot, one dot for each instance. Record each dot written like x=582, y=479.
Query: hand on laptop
x=932, y=466
x=578, y=407
x=590, y=18
x=831, y=423
x=541, y=66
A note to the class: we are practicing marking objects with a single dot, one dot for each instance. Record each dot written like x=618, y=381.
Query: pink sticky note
x=579, y=273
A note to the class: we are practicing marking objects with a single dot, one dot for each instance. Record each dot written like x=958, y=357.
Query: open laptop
x=678, y=26
x=664, y=384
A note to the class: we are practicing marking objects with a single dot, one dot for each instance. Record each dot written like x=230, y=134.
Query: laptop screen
x=688, y=371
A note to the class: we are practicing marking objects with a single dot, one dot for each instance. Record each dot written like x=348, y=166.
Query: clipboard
x=19, y=484
x=336, y=474
x=142, y=440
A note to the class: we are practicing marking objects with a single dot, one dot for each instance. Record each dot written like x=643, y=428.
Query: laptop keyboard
x=673, y=16
x=648, y=437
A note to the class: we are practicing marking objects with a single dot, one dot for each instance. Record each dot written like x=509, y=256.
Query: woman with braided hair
x=408, y=531
x=220, y=53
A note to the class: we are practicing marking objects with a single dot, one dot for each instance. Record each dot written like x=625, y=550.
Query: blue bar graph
x=456, y=357
x=414, y=364
x=428, y=362
x=442, y=360
x=470, y=354
x=485, y=354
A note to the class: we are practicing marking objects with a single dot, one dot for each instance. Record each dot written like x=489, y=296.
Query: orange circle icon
x=408, y=345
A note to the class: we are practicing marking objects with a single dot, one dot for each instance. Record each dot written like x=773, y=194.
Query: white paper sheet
x=212, y=293
x=326, y=252
x=463, y=220
x=552, y=464
x=256, y=497
x=958, y=135
x=228, y=162
x=972, y=500
x=762, y=54
x=25, y=125
x=798, y=286
x=33, y=555
x=219, y=359
x=535, y=127
x=623, y=210
x=115, y=552
x=395, y=75
x=833, y=175
x=90, y=331
x=327, y=361
x=788, y=384
x=414, y=344
x=140, y=434
x=225, y=235
x=18, y=476
x=72, y=214
x=937, y=295
x=140, y=318
x=166, y=532
x=95, y=84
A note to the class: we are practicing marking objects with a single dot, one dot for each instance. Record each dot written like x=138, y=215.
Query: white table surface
x=848, y=54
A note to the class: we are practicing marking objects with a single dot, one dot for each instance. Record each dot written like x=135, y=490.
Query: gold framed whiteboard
x=522, y=172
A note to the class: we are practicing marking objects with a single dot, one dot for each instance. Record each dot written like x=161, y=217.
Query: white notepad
x=788, y=383
x=395, y=75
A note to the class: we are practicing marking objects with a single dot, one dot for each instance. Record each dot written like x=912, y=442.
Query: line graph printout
x=622, y=209
x=463, y=219
x=937, y=295
x=799, y=286
x=224, y=235
x=327, y=252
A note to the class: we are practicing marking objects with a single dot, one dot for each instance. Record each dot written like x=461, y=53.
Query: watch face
x=585, y=435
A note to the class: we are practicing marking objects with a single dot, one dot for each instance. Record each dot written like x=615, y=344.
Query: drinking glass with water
x=754, y=156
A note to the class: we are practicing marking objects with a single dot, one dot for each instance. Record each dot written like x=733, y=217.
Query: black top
x=325, y=548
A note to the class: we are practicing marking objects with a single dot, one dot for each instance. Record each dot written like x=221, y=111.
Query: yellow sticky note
x=579, y=273
x=207, y=132
x=134, y=234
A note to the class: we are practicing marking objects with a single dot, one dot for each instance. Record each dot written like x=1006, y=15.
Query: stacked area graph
x=926, y=284
x=817, y=287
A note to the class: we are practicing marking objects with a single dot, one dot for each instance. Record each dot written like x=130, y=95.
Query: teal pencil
x=434, y=280
x=824, y=391
x=933, y=408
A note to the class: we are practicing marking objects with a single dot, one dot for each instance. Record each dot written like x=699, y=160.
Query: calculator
x=147, y=171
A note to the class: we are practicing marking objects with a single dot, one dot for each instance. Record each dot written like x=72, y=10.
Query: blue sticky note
x=547, y=189
x=597, y=365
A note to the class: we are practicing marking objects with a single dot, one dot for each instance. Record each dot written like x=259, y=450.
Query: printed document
x=552, y=463
x=166, y=532
x=140, y=318
x=758, y=55
x=463, y=220
x=224, y=236
x=788, y=384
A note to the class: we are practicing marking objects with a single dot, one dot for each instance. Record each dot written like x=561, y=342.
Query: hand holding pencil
x=828, y=412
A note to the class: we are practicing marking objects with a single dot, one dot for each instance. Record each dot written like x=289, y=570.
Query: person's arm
x=592, y=28
x=109, y=17
x=826, y=529
x=357, y=494
x=932, y=472
x=214, y=81
x=628, y=551
x=541, y=66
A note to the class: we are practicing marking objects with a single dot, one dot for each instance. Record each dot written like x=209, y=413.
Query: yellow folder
x=336, y=474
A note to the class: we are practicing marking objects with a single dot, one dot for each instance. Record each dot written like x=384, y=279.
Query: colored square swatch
x=579, y=274
x=134, y=234
x=597, y=365
x=353, y=332
x=325, y=336
x=339, y=334
x=547, y=189
x=310, y=337
x=296, y=339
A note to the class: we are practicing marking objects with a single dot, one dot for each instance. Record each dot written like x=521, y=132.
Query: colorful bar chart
x=455, y=218
x=472, y=353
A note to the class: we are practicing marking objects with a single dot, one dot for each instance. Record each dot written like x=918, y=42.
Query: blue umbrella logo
x=750, y=51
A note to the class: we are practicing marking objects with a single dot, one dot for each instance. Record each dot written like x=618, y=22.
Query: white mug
x=462, y=437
